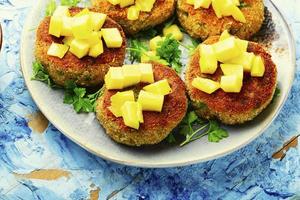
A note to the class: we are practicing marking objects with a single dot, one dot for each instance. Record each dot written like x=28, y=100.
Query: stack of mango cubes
x=232, y=53
x=150, y=98
x=82, y=33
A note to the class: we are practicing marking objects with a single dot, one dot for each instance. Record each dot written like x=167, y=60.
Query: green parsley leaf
x=69, y=2
x=40, y=74
x=50, y=8
x=137, y=48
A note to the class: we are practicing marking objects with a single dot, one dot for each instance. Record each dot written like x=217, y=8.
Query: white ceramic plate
x=85, y=130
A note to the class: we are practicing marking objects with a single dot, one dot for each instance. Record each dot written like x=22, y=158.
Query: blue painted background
x=249, y=173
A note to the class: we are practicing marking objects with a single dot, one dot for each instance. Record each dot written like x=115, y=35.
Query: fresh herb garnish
x=50, y=8
x=137, y=48
x=69, y=2
x=40, y=74
x=276, y=94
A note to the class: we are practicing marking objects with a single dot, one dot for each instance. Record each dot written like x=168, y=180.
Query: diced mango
x=208, y=60
x=238, y=15
x=191, y=2
x=230, y=69
x=96, y=49
x=230, y=9
x=160, y=87
x=258, y=67
x=61, y=11
x=132, y=75
x=133, y=13
x=112, y=37
x=217, y=6
x=55, y=26
x=125, y=3
x=150, y=101
x=145, y=6
x=146, y=73
x=205, y=85
x=114, y=2
x=81, y=27
x=227, y=49
x=68, y=40
x=140, y=112
x=97, y=20
x=174, y=31
x=231, y=83
x=114, y=79
x=146, y=57
x=130, y=114
x=83, y=12
x=242, y=44
x=118, y=100
x=227, y=7
x=57, y=50
x=225, y=35
x=245, y=59
x=66, y=26
x=202, y=3
x=154, y=42
x=236, y=2
x=79, y=48
x=94, y=38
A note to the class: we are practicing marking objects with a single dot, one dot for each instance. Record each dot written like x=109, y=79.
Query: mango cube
x=68, y=40
x=231, y=83
x=94, y=38
x=229, y=69
x=202, y=3
x=133, y=13
x=125, y=3
x=97, y=20
x=205, y=85
x=150, y=101
x=132, y=75
x=145, y=6
x=79, y=48
x=224, y=35
x=226, y=49
x=112, y=37
x=57, y=50
x=114, y=2
x=217, y=6
x=146, y=73
x=81, y=27
x=238, y=15
x=154, y=42
x=242, y=44
x=96, y=50
x=258, y=67
x=161, y=87
x=191, y=2
x=146, y=57
x=208, y=60
x=55, y=26
x=66, y=29
x=245, y=59
x=227, y=7
x=118, y=100
x=130, y=114
x=61, y=11
x=83, y=12
x=174, y=31
x=114, y=79
x=236, y=2
x=140, y=112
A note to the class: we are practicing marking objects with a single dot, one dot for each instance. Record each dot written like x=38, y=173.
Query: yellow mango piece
x=112, y=37
x=154, y=42
x=227, y=7
x=57, y=50
x=202, y=3
x=94, y=38
x=227, y=49
x=150, y=101
x=140, y=112
x=174, y=31
x=231, y=83
x=61, y=11
x=191, y=2
x=230, y=9
x=132, y=75
x=161, y=87
x=230, y=69
x=217, y=6
x=145, y=6
x=208, y=60
x=133, y=13
x=79, y=48
x=68, y=40
x=242, y=44
x=125, y=3
x=96, y=50
x=236, y=2
x=258, y=67
x=81, y=27
x=55, y=26
x=146, y=57
x=114, y=2
x=205, y=85
x=83, y=12
x=245, y=59
x=97, y=20
x=118, y=100
x=66, y=29
x=146, y=73
x=130, y=114
x=225, y=35
x=114, y=79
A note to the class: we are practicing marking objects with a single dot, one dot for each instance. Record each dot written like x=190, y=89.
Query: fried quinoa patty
x=87, y=71
x=157, y=125
x=162, y=10
x=233, y=108
x=202, y=23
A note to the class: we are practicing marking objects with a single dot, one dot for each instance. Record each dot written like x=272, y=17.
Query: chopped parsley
x=40, y=74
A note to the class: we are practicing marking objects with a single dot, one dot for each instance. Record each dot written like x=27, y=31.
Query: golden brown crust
x=157, y=125
x=202, y=23
x=87, y=71
x=162, y=10
x=233, y=108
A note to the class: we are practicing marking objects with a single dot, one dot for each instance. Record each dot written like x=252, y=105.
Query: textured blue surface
x=249, y=173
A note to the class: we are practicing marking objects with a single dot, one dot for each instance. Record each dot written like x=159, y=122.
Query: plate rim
x=148, y=164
